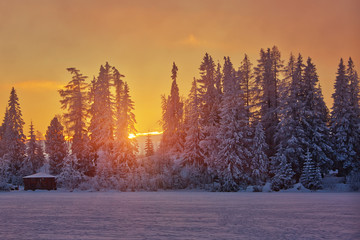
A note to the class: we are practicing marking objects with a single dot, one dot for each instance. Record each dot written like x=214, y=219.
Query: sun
x=131, y=136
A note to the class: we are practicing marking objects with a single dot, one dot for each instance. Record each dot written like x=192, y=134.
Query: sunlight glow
x=131, y=136
x=144, y=134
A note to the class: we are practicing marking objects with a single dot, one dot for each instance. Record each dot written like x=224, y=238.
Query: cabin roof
x=40, y=175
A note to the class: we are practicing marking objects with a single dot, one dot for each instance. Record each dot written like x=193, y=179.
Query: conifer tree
x=218, y=80
x=290, y=134
x=266, y=92
x=102, y=117
x=34, y=152
x=3, y=147
x=344, y=141
x=246, y=82
x=260, y=162
x=75, y=101
x=315, y=115
x=149, y=147
x=310, y=177
x=127, y=149
x=173, y=117
x=120, y=130
x=209, y=112
x=353, y=79
x=55, y=146
x=70, y=177
x=14, y=138
x=284, y=176
x=192, y=155
x=232, y=162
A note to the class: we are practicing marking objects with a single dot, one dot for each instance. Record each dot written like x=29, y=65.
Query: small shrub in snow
x=354, y=180
x=4, y=186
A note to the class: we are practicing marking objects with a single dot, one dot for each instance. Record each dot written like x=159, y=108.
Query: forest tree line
x=241, y=126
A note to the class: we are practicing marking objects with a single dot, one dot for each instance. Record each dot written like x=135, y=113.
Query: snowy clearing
x=178, y=215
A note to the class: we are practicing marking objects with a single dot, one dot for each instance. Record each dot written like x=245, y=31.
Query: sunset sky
x=39, y=39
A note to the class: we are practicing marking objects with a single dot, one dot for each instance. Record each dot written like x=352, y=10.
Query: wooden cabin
x=39, y=181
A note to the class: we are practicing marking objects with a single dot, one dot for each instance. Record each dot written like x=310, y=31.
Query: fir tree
x=353, y=79
x=75, y=101
x=315, y=115
x=127, y=149
x=246, y=82
x=344, y=141
x=14, y=138
x=290, y=134
x=70, y=177
x=260, y=162
x=3, y=126
x=192, y=155
x=55, y=146
x=102, y=117
x=284, y=176
x=172, y=117
x=120, y=131
x=232, y=162
x=266, y=92
x=310, y=177
x=34, y=153
x=149, y=147
x=209, y=112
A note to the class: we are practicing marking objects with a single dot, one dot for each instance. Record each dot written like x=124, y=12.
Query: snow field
x=178, y=215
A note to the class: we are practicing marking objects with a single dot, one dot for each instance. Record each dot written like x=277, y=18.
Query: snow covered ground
x=178, y=215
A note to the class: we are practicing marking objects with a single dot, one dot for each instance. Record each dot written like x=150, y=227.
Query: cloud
x=191, y=40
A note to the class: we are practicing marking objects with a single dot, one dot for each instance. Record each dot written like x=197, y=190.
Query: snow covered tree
x=14, y=138
x=3, y=147
x=127, y=148
x=246, y=82
x=70, y=177
x=232, y=161
x=121, y=133
x=149, y=147
x=284, y=176
x=209, y=111
x=55, y=146
x=342, y=129
x=353, y=79
x=290, y=134
x=102, y=118
x=259, y=162
x=34, y=152
x=192, y=155
x=172, y=118
x=315, y=120
x=311, y=176
x=75, y=101
x=266, y=92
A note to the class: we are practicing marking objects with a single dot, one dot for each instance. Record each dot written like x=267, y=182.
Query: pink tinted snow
x=179, y=215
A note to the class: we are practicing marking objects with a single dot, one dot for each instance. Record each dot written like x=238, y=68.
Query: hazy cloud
x=191, y=40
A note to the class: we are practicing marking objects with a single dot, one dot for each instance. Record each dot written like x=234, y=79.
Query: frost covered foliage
x=310, y=177
x=238, y=129
x=260, y=162
x=70, y=177
x=345, y=119
x=284, y=174
x=34, y=155
x=172, y=117
x=55, y=146
x=354, y=180
x=232, y=158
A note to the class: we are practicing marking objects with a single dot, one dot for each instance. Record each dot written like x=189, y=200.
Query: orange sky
x=39, y=39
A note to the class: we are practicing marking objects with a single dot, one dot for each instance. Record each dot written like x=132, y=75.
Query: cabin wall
x=39, y=183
